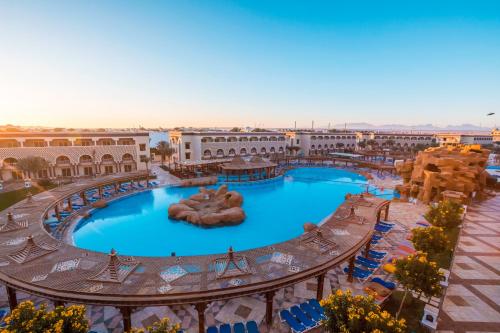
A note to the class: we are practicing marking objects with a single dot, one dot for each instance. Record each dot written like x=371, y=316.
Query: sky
x=102, y=63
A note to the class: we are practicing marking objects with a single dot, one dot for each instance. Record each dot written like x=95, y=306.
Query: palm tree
x=146, y=160
x=389, y=143
x=31, y=165
x=372, y=143
x=163, y=148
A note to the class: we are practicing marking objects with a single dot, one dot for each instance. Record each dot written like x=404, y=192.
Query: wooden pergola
x=35, y=262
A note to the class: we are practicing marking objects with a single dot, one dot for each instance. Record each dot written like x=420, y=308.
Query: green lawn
x=7, y=199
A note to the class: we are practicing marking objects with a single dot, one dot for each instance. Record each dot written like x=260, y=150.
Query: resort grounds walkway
x=472, y=300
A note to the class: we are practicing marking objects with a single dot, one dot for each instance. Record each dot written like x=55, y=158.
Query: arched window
x=107, y=158
x=253, y=151
x=207, y=153
x=232, y=152
x=85, y=159
x=62, y=160
x=280, y=149
x=272, y=150
x=10, y=162
x=263, y=150
x=263, y=138
x=319, y=146
x=332, y=146
x=254, y=138
x=243, y=151
x=127, y=158
x=220, y=153
x=313, y=147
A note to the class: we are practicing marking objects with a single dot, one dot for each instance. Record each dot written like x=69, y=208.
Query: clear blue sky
x=234, y=63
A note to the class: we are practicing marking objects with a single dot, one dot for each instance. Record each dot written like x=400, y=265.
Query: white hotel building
x=74, y=154
x=405, y=140
x=319, y=143
x=198, y=146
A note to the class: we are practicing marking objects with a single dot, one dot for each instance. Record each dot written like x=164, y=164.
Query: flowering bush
x=27, y=319
x=347, y=313
x=417, y=274
x=432, y=240
x=163, y=326
x=446, y=214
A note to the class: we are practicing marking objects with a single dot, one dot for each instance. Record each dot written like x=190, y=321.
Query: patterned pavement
x=472, y=300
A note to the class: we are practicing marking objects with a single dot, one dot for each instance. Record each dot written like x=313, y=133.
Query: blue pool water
x=276, y=211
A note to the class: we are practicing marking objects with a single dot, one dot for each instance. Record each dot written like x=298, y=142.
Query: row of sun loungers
x=303, y=317
x=250, y=327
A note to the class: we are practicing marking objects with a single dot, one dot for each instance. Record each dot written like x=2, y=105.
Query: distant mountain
x=421, y=127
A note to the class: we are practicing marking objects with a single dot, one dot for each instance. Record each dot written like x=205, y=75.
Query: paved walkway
x=472, y=301
x=163, y=177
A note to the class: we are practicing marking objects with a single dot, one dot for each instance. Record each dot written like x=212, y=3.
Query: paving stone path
x=472, y=300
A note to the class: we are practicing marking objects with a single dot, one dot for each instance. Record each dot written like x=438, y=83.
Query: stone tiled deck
x=472, y=301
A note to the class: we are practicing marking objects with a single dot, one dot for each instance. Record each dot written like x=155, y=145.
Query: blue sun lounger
x=366, y=264
x=388, y=284
x=225, y=328
x=311, y=312
x=252, y=327
x=302, y=317
x=212, y=329
x=238, y=328
x=368, y=261
x=316, y=306
x=377, y=254
x=294, y=324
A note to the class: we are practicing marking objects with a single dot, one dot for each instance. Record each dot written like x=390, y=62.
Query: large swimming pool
x=276, y=211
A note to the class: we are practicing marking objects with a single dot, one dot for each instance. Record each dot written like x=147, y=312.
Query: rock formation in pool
x=210, y=208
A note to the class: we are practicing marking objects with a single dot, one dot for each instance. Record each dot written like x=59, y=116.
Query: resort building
x=396, y=139
x=74, y=154
x=496, y=136
x=318, y=143
x=455, y=139
x=197, y=146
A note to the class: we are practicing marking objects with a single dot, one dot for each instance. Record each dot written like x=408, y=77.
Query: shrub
x=25, y=318
x=446, y=214
x=416, y=273
x=45, y=183
x=431, y=240
x=163, y=326
x=347, y=313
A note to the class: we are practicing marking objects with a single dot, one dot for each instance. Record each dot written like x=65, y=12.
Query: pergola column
x=378, y=216
x=321, y=283
x=269, y=307
x=201, y=307
x=56, y=209
x=367, y=248
x=100, y=192
x=351, y=270
x=386, y=213
x=58, y=303
x=70, y=205
x=12, y=297
x=126, y=312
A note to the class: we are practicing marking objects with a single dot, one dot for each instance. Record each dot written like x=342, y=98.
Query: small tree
x=25, y=318
x=164, y=149
x=431, y=240
x=32, y=164
x=163, y=326
x=446, y=214
x=347, y=313
x=416, y=273
x=146, y=160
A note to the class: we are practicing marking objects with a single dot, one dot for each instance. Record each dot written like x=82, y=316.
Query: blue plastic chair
x=225, y=328
x=295, y=325
x=212, y=329
x=252, y=327
x=239, y=328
